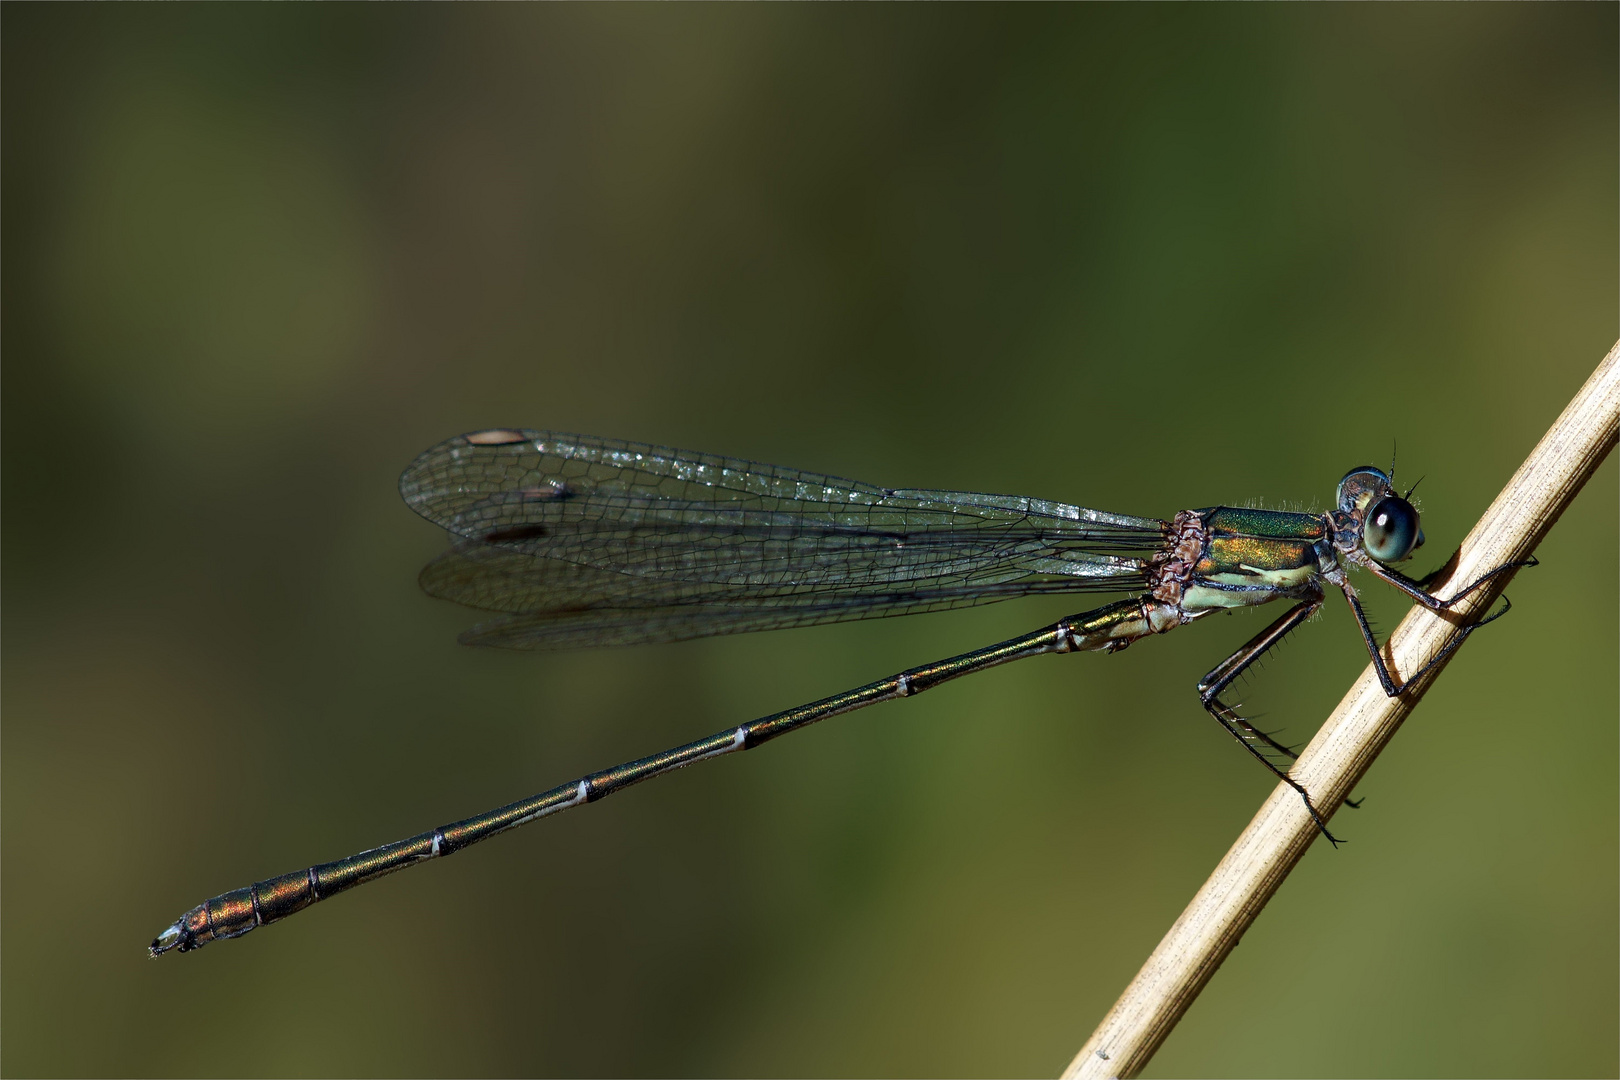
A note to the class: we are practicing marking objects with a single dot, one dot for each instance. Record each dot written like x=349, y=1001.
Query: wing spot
x=515, y=534
x=496, y=437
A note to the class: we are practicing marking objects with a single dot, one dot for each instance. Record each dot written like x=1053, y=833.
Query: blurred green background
x=1142, y=258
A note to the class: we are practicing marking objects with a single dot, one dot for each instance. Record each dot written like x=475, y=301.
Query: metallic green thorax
x=1252, y=557
x=1264, y=524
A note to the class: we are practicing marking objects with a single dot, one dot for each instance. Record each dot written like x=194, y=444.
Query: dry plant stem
x=1343, y=750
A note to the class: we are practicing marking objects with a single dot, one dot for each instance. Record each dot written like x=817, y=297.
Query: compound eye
x=1360, y=485
x=1391, y=531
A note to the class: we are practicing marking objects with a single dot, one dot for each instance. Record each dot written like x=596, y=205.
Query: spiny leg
x=1250, y=737
x=1391, y=688
x=1417, y=589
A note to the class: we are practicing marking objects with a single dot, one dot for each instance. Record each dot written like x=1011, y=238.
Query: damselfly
x=579, y=541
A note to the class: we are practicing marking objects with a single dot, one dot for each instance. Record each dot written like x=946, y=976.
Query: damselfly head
x=1389, y=524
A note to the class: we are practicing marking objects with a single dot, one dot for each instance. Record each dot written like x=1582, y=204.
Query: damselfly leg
x=1272, y=754
x=1433, y=603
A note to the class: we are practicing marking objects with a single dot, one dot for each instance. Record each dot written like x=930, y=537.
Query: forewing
x=587, y=539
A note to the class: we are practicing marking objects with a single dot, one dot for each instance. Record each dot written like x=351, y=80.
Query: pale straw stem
x=1352, y=737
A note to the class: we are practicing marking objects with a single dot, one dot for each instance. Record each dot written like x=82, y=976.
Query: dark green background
x=1140, y=258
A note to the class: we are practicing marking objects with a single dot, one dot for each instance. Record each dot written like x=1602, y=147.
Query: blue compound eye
x=1361, y=485
x=1391, y=531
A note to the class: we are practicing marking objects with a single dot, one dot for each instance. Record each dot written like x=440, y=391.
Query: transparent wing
x=558, y=605
x=587, y=541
